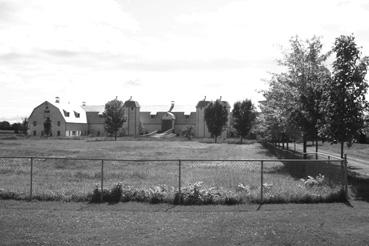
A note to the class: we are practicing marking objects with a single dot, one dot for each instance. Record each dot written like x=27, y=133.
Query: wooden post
x=179, y=182
x=31, y=180
x=345, y=176
x=102, y=181
x=261, y=182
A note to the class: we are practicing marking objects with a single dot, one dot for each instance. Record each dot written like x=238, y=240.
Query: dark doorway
x=166, y=125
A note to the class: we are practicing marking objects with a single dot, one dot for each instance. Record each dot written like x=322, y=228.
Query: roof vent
x=57, y=99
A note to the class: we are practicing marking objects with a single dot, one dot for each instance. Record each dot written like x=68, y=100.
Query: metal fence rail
x=184, y=166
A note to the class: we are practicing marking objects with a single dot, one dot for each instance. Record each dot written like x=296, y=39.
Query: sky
x=156, y=51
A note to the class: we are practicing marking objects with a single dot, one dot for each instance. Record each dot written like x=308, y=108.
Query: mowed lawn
x=72, y=179
x=58, y=223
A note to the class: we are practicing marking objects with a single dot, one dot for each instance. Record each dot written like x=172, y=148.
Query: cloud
x=85, y=49
x=81, y=25
x=132, y=83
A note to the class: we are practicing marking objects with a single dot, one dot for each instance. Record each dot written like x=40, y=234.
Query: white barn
x=66, y=119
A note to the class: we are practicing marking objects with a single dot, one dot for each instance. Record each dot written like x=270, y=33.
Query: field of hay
x=74, y=179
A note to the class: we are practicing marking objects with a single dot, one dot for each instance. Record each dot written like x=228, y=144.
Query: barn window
x=73, y=133
x=58, y=133
x=35, y=123
x=187, y=117
x=76, y=114
x=34, y=133
x=58, y=123
x=66, y=113
x=152, y=116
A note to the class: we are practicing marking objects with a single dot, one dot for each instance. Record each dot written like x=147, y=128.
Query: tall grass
x=222, y=182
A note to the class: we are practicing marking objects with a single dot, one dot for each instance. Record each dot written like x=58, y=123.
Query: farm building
x=71, y=120
x=65, y=119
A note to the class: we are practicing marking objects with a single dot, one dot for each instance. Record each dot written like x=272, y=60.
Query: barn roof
x=130, y=103
x=71, y=113
x=203, y=104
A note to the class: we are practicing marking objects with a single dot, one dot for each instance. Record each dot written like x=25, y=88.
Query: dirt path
x=57, y=223
x=358, y=167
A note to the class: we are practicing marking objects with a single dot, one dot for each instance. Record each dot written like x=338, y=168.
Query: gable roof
x=76, y=113
x=202, y=104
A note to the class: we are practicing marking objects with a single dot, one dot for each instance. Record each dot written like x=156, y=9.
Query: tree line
x=18, y=127
x=310, y=101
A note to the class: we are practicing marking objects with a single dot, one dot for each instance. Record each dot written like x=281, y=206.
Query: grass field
x=58, y=223
x=359, y=151
x=73, y=180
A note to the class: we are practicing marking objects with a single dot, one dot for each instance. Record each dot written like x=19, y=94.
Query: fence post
x=102, y=181
x=345, y=176
x=316, y=155
x=261, y=182
x=179, y=181
x=31, y=180
x=329, y=159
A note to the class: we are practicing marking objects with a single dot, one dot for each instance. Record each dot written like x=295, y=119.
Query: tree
x=16, y=127
x=216, y=117
x=114, y=117
x=5, y=125
x=307, y=75
x=294, y=96
x=244, y=116
x=345, y=103
x=24, y=126
x=47, y=127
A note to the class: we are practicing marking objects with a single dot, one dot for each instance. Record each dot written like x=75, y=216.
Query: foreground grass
x=75, y=180
x=56, y=223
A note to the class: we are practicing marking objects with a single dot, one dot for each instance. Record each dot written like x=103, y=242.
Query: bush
x=116, y=193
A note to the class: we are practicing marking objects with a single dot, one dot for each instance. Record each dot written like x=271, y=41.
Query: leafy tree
x=24, y=126
x=244, y=115
x=345, y=103
x=114, y=117
x=47, y=127
x=307, y=75
x=280, y=102
x=216, y=116
x=5, y=125
x=294, y=96
x=16, y=127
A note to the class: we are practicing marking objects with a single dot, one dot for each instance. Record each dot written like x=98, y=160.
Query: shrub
x=96, y=195
x=116, y=193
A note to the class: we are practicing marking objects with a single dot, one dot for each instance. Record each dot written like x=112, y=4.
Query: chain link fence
x=179, y=181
